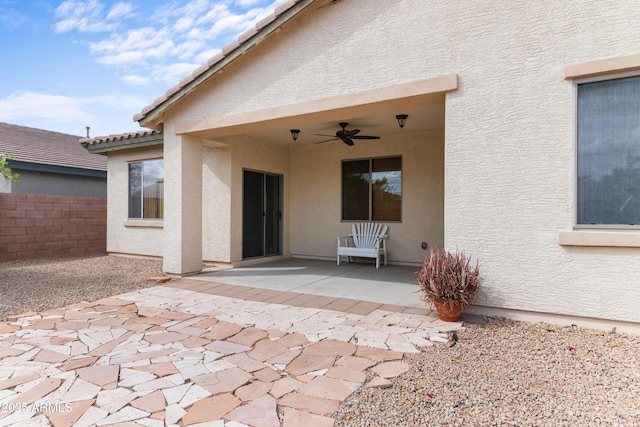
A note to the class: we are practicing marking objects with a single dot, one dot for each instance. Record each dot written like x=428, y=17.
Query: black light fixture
x=294, y=133
x=402, y=119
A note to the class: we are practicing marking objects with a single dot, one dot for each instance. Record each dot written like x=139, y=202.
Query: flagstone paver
x=105, y=376
x=261, y=412
x=306, y=363
x=253, y=390
x=266, y=349
x=346, y=374
x=330, y=347
x=152, y=402
x=65, y=415
x=295, y=418
x=314, y=405
x=176, y=356
x=211, y=408
x=379, y=382
x=248, y=336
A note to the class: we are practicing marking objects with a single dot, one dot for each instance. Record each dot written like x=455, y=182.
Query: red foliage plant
x=448, y=276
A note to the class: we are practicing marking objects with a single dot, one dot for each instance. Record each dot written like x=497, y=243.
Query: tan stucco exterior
x=495, y=179
x=125, y=236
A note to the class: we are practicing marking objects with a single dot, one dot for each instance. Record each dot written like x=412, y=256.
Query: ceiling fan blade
x=347, y=140
x=365, y=137
x=351, y=133
x=322, y=134
x=326, y=140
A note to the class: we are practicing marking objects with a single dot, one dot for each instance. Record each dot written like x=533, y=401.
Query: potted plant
x=449, y=282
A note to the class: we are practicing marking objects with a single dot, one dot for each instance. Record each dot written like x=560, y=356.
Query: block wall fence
x=46, y=226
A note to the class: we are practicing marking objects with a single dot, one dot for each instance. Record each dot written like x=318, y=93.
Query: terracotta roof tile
x=117, y=137
x=230, y=47
x=172, y=90
x=199, y=70
x=266, y=21
x=217, y=58
x=30, y=145
x=247, y=35
x=284, y=7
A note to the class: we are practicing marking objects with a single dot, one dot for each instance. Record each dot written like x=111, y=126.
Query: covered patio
x=391, y=284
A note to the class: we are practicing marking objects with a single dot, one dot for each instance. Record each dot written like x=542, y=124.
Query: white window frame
x=133, y=221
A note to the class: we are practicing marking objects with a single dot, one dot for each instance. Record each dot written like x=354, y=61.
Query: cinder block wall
x=45, y=226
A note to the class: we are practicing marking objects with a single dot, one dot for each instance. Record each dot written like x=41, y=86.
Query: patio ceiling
x=373, y=112
x=384, y=125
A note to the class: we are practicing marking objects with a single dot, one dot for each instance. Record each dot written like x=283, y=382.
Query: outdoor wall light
x=295, y=133
x=402, y=119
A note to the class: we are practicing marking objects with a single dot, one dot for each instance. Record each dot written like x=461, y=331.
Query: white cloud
x=84, y=16
x=204, y=56
x=247, y=3
x=135, y=80
x=46, y=106
x=175, y=39
x=32, y=104
x=134, y=47
x=11, y=19
x=120, y=10
x=172, y=74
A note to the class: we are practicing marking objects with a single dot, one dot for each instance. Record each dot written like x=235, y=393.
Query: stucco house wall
x=499, y=170
x=124, y=235
x=510, y=154
x=316, y=191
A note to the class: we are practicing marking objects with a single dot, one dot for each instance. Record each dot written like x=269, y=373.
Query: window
x=146, y=189
x=372, y=189
x=608, y=150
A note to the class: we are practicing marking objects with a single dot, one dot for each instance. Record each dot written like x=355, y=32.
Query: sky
x=65, y=65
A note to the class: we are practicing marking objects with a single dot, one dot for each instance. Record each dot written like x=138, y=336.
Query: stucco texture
x=497, y=181
x=143, y=237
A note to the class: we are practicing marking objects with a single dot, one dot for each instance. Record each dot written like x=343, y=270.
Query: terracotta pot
x=448, y=313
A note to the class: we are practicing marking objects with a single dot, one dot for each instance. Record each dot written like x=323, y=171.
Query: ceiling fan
x=347, y=136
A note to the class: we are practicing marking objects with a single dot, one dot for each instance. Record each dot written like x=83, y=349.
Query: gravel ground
x=39, y=285
x=510, y=373
x=504, y=373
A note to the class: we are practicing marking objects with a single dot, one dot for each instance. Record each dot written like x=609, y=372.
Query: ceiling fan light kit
x=347, y=136
x=402, y=119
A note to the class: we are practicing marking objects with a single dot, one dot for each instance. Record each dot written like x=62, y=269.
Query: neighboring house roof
x=104, y=144
x=31, y=146
x=245, y=41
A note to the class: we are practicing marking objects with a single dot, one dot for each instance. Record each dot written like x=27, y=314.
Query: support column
x=183, y=204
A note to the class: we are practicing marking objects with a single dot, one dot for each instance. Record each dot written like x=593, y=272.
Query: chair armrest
x=343, y=241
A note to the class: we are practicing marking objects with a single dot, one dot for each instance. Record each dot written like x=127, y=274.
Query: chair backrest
x=365, y=234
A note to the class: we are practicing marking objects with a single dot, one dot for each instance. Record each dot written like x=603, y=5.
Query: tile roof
x=30, y=145
x=227, y=52
x=117, y=137
x=102, y=144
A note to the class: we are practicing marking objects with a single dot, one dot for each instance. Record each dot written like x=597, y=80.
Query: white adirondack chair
x=367, y=239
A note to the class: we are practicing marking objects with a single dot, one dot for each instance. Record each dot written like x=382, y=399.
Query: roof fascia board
x=151, y=118
x=126, y=144
x=38, y=167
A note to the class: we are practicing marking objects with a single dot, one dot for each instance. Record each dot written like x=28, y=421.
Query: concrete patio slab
x=390, y=284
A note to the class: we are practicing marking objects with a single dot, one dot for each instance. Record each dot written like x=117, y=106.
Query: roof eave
x=125, y=143
x=230, y=53
x=58, y=169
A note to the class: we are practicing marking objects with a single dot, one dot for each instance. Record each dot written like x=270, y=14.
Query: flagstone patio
x=200, y=353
